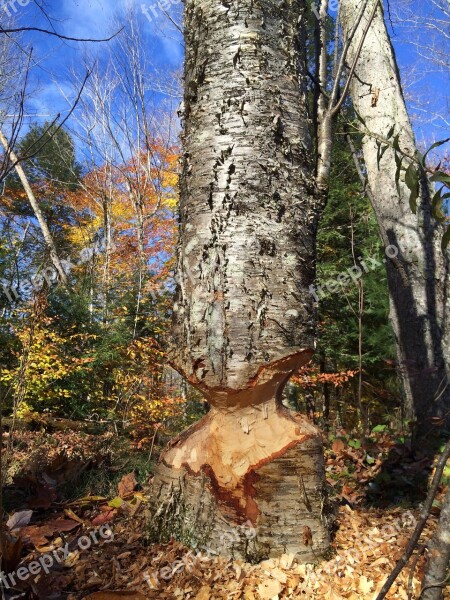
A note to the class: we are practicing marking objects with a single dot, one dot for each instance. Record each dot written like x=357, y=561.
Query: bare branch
x=344, y=94
x=58, y=35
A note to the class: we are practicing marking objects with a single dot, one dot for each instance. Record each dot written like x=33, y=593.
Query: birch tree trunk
x=37, y=212
x=244, y=320
x=418, y=277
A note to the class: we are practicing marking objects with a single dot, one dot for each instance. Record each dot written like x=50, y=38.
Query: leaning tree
x=244, y=316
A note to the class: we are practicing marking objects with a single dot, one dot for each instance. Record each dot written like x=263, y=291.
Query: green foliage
x=53, y=156
x=417, y=172
x=337, y=312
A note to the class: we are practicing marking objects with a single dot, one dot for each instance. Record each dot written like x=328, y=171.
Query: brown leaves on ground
x=367, y=545
x=127, y=485
x=116, y=595
x=39, y=535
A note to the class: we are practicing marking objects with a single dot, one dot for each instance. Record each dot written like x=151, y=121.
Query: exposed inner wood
x=259, y=465
x=248, y=461
x=230, y=445
x=266, y=384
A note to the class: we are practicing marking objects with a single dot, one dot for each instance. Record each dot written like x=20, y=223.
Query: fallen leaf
x=269, y=589
x=114, y=595
x=35, y=535
x=69, y=513
x=365, y=585
x=105, y=517
x=287, y=560
x=279, y=575
x=38, y=535
x=204, y=593
x=19, y=519
x=127, y=484
x=87, y=500
x=338, y=446
x=61, y=525
x=115, y=502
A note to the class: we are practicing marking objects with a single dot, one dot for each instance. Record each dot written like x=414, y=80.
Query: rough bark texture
x=246, y=485
x=247, y=219
x=438, y=557
x=418, y=279
x=244, y=320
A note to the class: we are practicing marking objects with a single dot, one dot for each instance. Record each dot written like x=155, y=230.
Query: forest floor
x=77, y=527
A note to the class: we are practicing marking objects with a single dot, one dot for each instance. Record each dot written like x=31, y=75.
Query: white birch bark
x=37, y=211
x=244, y=319
x=418, y=279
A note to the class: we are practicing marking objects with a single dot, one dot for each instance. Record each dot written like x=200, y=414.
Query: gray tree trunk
x=37, y=211
x=436, y=572
x=244, y=320
x=418, y=278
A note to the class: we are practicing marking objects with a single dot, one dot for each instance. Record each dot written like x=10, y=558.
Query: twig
x=49, y=130
x=346, y=48
x=174, y=23
x=440, y=584
x=59, y=35
x=425, y=513
x=153, y=442
x=345, y=91
x=413, y=570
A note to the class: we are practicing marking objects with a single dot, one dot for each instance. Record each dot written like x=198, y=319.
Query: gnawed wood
x=245, y=483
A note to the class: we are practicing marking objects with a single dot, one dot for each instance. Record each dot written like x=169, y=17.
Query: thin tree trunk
x=142, y=260
x=436, y=573
x=37, y=212
x=244, y=318
x=326, y=394
x=107, y=225
x=418, y=277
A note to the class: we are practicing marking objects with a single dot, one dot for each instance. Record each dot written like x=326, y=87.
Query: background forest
x=93, y=347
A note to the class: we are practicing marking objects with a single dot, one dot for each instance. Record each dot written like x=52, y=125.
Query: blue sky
x=427, y=87
x=51, y=88
x=51, y=85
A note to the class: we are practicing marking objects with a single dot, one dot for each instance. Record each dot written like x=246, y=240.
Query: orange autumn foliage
x=309, y=377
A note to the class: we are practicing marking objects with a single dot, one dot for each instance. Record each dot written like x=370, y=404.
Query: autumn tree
x=129, y=141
